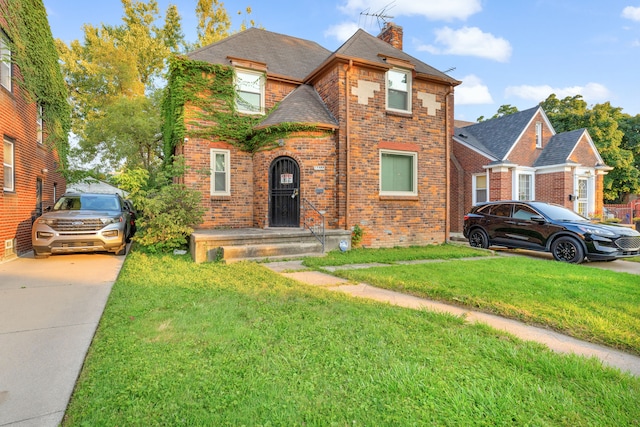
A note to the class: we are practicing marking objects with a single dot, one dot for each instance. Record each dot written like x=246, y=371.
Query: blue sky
x=504, y=51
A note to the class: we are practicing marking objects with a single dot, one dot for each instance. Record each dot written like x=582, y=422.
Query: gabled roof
x=302, y=106
x=559, y=148
x=363, y=45
x=496, y=137
x=284, y=55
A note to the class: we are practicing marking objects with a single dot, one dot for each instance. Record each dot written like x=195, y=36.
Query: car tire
x=122, y=251
x=40, y=255
x=567, y=249
x=478, y=239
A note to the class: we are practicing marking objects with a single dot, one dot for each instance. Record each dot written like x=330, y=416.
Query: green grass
x=588, y=303
x=229, y=345
x=392, y=255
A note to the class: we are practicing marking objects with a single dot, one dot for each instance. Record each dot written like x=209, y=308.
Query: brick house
x=30, y=178
x=374, y=155
x=521, y=157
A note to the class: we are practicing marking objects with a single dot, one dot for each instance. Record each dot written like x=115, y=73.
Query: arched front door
x=284, y=193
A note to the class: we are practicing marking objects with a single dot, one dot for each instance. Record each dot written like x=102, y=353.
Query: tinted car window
x=501, y=210
x=559, y=213
x=524, y=212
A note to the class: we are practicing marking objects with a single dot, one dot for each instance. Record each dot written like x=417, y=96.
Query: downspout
x=347, y=144
x=447, y=167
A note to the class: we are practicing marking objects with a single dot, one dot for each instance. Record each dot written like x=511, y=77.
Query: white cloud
x=591, y=92
x=472, y=91
x=469, y=41
x=434, y=10
x=631, y=12
x=342, y=31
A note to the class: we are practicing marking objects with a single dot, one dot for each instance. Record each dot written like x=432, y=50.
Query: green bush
x=168, y=218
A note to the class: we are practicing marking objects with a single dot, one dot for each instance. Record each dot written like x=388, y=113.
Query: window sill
x=407, y=114
x=221, y=197
x=399, y=198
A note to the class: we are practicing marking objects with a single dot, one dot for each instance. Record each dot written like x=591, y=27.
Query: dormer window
x=399, y=90
x=249, y=91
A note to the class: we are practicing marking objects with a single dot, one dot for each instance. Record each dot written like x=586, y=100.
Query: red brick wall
x=555, y=188
x=395, y=221
x=18, y=124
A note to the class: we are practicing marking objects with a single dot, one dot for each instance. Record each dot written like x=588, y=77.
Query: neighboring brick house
x=30, y=180
x=376, y=156
x=520, y=157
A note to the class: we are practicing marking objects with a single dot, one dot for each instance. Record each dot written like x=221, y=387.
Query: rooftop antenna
x=447, y=71
x=381, y=15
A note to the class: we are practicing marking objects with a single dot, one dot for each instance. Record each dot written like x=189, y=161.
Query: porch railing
x=313, y=220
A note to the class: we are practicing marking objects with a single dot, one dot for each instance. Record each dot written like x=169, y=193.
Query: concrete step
x=256, y=252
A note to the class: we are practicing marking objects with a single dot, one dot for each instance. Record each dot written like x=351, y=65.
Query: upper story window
x=220, y=178
x=399, y=90
x=5, y=63
x=8, y=163
x=538, y=134
x=398, y=173
x=39, y=124
x=249, y=91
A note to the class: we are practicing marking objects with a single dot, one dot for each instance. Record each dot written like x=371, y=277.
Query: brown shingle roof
x=284, y=55
x=303, y=106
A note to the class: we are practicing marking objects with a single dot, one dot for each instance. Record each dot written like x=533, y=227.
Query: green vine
x=34, y=52
x=210, y=89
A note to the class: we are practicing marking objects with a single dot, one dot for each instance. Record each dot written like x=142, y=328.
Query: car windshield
x=82, y=202
x=558, y=213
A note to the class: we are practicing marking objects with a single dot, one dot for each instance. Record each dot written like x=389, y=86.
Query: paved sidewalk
x=49, y=312
x=555, y=341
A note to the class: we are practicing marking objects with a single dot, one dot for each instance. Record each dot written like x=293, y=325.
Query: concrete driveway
x=49, y=312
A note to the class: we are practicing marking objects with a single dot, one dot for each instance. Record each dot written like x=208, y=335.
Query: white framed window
x=250, y=91
x=8, y=164
x=39, y=124
x=525, y=186
x=5, y=63
x=480, y=189
x=538, y=134
x=399, y=90
x=398, y=173
x=220, y=175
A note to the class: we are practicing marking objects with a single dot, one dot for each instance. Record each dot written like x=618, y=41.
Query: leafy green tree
x=602, y=122
x=503, y=110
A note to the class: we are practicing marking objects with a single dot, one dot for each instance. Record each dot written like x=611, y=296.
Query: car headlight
x=597, y=231
x=111, y=220
x=45, y=221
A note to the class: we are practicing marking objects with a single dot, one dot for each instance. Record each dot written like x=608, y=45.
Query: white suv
x=83, y=222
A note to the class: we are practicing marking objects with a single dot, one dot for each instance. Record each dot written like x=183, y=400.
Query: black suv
x=83, y=222
x=548, y=227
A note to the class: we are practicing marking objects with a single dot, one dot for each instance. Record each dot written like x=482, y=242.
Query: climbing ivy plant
x=34, y=52
x=209, y=89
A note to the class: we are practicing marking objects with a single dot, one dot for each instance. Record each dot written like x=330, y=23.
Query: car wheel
x=122, y=251
x=478, y=239
x=40, y=255
x=567, y=249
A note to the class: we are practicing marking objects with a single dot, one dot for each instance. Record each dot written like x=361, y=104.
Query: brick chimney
x=392, y=34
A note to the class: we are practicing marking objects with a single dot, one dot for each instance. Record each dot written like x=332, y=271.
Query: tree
x=112, y=78
x=602, y=121
x=213, y=22
x=503, y=110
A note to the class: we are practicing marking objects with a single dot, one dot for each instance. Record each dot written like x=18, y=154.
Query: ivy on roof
x=210, y=90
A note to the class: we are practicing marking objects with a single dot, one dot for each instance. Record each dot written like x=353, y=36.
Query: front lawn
x=595, y=305
x=392, y=255
x=214, y=344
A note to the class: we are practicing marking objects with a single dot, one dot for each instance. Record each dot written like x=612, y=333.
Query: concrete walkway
x=49, y=312
x=555, y=341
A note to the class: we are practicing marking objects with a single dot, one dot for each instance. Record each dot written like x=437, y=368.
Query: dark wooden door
x=284, y=193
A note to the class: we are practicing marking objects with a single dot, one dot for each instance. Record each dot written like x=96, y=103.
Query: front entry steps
x=255, y=244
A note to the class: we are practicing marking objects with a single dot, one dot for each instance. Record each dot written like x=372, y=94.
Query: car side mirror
x=538, y=219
